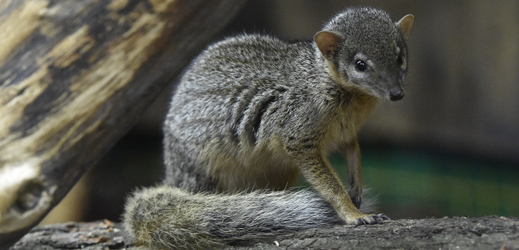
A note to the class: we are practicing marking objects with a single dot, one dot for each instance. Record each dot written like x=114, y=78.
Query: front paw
x=366, y=219
x=371, y=219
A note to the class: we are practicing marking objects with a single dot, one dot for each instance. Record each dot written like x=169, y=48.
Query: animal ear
x=405, y=24
x=328, y=43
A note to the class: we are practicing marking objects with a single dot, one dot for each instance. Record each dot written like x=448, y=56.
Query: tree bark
x=75, y=76
x=489, y=232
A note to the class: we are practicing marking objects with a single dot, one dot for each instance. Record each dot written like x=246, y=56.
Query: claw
x=384, y=217
x=360, y=221
x=371, y=219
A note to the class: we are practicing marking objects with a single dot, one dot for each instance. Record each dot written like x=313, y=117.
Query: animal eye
x=361, y=66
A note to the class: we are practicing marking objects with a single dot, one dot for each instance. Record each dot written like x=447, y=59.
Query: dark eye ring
x=361, y=66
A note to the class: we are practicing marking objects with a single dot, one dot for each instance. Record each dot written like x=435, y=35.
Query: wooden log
x=488, y=232
x=75, y=76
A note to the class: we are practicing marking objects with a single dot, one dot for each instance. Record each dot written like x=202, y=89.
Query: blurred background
x=449, y=148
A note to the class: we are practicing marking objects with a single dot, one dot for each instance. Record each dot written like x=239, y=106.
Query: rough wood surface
x=75, y=76
x=490, y=232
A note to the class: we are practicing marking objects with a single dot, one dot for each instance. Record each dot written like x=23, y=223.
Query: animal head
x=365, y=49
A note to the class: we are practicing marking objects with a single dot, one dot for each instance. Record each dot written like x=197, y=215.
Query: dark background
x=450, y=147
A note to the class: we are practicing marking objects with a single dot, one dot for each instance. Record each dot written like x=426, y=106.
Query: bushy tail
x=168, y=217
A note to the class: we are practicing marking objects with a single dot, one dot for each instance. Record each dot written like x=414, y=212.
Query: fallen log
x=488, y=232
x=75, y=76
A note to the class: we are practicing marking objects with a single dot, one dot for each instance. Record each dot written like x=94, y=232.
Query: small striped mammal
x=252, y=113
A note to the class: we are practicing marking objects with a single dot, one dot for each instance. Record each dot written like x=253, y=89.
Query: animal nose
x=396, y=94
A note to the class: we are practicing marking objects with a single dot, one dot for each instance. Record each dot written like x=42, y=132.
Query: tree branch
x=489, y=232
x=74, y=78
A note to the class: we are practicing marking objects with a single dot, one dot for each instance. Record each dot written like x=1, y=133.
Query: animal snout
x=396, y=94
